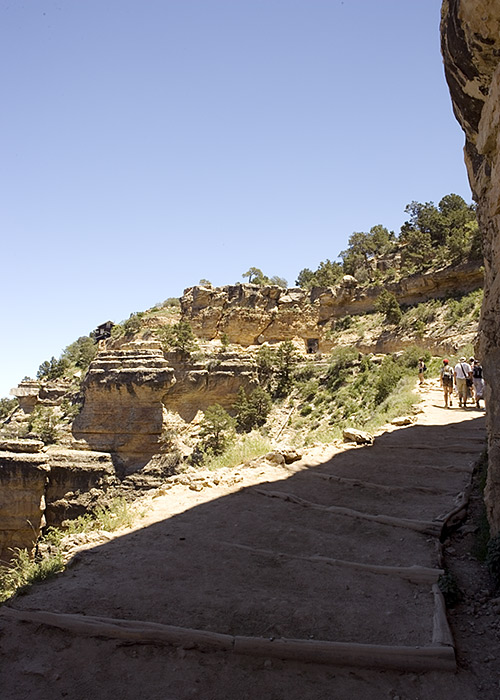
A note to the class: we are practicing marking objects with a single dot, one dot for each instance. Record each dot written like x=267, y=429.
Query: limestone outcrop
x=23, y=480
x=249, y=314
x=76, y=482
x=200, y=384
x=123, y=410
x=47, y=487
x=470, y=34
x=126, y=390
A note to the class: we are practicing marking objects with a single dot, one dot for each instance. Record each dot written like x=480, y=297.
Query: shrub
x=388, y=378
x=23, y=570
x=275, y=367
x=252, y=410
x=248, y=446
x=411, y=355
x=179, y=337
x=388, y=305
x=133, y=324
x=286, y=357
x=338, y=371
x=6, y=407
x=216, y=429
x=266, y=365
x=81, y=352
x=110, y=517
x=343, y=323
x=174, y=302
x=45, y=424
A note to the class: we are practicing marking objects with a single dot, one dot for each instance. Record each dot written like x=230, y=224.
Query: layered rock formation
x=23, y=480
x=249, y=314
x=123, y=409
x=40, y=486
x=201, y=384
x=470, y=32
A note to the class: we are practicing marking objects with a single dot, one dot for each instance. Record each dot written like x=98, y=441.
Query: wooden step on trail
x=436, y=656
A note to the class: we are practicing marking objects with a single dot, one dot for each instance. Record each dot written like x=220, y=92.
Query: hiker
x=470, y=383
x=421, y=369
x=446, y=375
x=477, y=378
x=463, y=372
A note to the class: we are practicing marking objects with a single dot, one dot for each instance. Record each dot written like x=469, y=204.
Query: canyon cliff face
x=123, y=411
x=249, y=314
x=470, y=35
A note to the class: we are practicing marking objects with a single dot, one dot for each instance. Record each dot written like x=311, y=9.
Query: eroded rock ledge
x=249, y=314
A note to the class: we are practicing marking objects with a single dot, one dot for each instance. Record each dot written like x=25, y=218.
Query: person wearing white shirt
x=463, y=371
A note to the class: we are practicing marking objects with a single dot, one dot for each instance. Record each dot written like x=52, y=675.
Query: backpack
x=447, y=375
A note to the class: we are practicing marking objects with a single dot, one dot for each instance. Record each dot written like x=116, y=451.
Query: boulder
x=403, y=420
x=360, y=437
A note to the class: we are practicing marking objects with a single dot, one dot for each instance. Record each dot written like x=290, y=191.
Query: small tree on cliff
x=255, y=276
x=179, y=337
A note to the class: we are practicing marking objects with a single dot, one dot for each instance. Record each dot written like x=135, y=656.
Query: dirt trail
x=316, y=580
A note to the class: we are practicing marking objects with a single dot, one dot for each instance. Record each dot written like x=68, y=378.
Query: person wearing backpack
x=447, y=377
x=477, y=377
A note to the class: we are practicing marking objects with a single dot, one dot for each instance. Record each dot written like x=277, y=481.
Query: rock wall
x=126, y=390
x=199, y=385
x=249, y=314
x=470, y=37
x=23, y=480
x=46, y=486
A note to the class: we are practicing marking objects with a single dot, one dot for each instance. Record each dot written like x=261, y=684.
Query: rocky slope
x=470, y=32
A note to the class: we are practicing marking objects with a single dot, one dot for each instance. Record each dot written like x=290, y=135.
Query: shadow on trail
x=232, y=564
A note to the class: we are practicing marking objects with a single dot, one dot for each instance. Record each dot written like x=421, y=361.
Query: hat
x=462, y=359
x=445, y=361
x=471, y=359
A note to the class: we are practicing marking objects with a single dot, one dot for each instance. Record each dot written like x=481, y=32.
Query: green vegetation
x=249, y=446
x=433, y=237
x=111, y=517
x=256, y=276
x=252, y=410
x=45, y=423
x=356, y=390
x=388, y=305
x=362, y=248
x=75, y=358
x=6, y=407
x=216, y=429
x=274, y=368
x=25, y=569
x=328, y=274
x=178, y=337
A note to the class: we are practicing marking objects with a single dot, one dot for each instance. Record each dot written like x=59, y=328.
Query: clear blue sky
x=146, y=144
